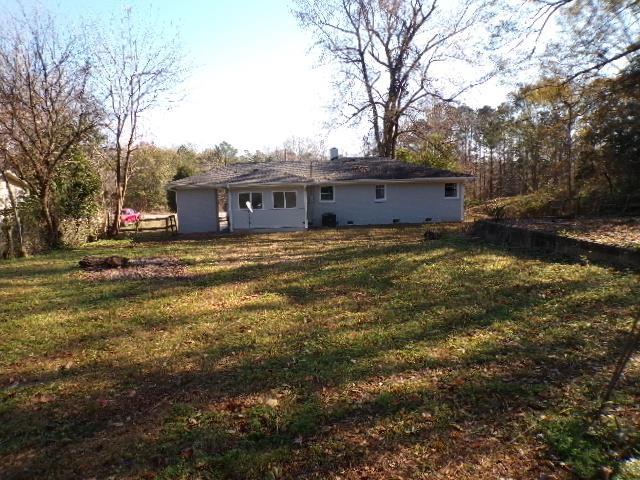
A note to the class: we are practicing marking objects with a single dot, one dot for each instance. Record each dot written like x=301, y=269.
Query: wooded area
x=572, y=143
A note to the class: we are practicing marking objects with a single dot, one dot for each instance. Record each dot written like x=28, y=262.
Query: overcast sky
x=253, y=82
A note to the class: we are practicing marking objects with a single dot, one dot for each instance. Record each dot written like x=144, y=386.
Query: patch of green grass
x=571, y=440
x=589, y=446
x=320, y=354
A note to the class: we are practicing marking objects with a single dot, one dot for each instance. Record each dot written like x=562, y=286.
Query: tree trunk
x=115, y=225
x=6, y=230
x=569, y=148
x=122, y=180
x=490, y=172
x=52, y=224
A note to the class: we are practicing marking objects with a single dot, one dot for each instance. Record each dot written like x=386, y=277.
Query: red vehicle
x=129, y=216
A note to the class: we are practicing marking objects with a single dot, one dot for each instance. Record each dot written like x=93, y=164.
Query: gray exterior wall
x=197, y=210
x=406, y=202
x=268, y=217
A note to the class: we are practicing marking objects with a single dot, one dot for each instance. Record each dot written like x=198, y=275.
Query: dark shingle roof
x=341, y=169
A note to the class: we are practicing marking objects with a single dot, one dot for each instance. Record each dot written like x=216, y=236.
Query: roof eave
x=395, y=180
x=464, y=178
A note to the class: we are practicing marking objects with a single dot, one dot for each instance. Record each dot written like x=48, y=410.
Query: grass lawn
x=350, y=354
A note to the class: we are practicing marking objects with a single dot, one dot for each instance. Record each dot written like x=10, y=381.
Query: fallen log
x=432, y=234
x=103, y=263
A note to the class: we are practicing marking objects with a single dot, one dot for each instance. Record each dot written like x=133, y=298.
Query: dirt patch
x=140, y=268
x=619, y=232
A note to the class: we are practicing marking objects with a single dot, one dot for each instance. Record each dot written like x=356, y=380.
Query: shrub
x=78, y=187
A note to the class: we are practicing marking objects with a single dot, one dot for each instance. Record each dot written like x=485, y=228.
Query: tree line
x=571, y=141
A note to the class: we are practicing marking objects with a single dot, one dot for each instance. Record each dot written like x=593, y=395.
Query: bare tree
x=46, y=107
x=137, y=69
x=390, y=54
x=301, y=148
x=594, y=35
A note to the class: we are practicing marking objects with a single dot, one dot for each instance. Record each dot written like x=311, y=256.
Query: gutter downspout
x=306, y=215
x=461, y=187
x=217, y=190
x=230, y=207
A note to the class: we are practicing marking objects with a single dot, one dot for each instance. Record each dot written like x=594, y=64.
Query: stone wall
x=555, y=244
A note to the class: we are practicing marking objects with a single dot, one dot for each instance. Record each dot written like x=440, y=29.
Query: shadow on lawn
x=206, y=399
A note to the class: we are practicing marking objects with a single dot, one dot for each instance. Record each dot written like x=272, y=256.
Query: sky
x=254, y=80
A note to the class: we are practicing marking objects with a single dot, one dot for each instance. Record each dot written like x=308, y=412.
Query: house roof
x=338, y=170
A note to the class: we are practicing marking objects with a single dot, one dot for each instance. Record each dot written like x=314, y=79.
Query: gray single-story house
x=295, y=195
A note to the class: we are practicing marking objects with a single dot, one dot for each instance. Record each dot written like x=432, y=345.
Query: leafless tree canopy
x=136, y=69
x=46, y=107
x=593, y=36
x=391, y=56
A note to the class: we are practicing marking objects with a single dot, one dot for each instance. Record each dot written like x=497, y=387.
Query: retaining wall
x=555, y=244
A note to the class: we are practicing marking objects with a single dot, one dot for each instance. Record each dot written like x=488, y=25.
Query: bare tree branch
x=386, y=51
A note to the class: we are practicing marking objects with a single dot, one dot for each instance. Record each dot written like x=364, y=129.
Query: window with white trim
x=381, y=193
x=255, y=198
x=284, y=199
x=327, y=194
x=451, y=190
